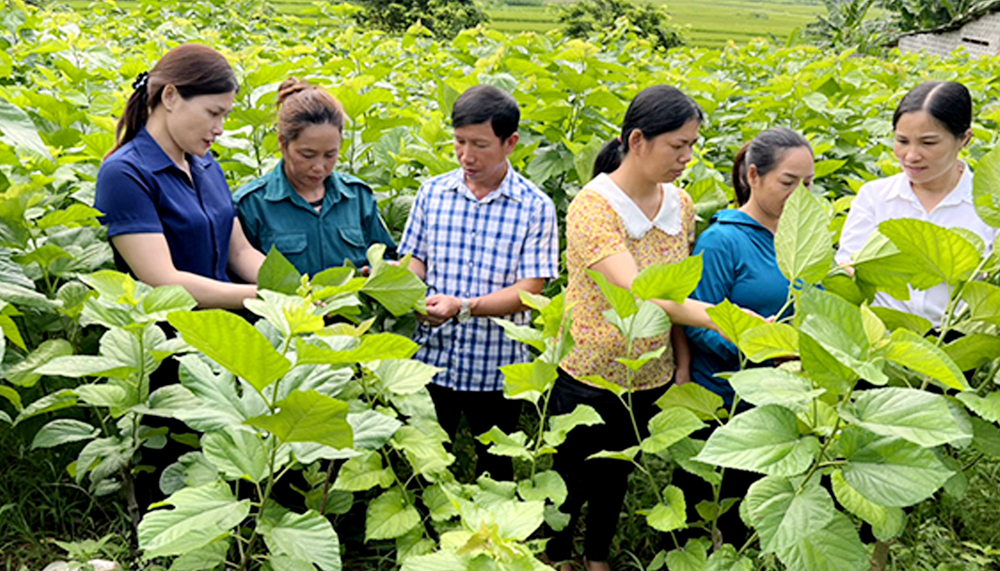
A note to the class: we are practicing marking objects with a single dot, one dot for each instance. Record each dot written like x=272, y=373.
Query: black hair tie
x=140, y=81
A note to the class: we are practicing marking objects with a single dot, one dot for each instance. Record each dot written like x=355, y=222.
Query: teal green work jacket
x=347, y=223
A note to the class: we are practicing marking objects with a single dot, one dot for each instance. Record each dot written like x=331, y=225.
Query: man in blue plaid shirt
x=479, y=235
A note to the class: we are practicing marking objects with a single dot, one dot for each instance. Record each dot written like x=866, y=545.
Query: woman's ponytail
x=740, y=183
x=609, y=158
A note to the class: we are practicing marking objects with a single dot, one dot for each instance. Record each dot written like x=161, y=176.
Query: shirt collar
x=507, y=186
x=279, y=188
x=668, y=219
x=152, y=154
x=902, y=189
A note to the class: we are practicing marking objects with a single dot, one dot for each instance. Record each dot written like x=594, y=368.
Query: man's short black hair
x=485, y=103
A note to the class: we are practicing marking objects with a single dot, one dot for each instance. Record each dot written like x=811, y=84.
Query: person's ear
x=169, y=96
x=510, y=143
x=635, y=139
x=753, y=177
x=966, y=137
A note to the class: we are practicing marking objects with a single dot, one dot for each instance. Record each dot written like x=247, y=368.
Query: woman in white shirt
x=932, y=124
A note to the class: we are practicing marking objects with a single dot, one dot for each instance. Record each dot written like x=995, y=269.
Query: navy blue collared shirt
x=141, y=191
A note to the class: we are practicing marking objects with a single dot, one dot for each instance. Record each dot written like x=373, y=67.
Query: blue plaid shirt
x=473, y=248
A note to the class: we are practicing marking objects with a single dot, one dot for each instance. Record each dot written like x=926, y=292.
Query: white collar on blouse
x=668, y=219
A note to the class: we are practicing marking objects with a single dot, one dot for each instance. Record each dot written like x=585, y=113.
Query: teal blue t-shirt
x=740, y=265
x=346, y=224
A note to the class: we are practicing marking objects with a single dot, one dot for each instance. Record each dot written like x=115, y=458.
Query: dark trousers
x=483, y=410
x=600, y=483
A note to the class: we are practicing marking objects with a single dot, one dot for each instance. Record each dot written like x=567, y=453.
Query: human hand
x=440, y=309
x=848, y=268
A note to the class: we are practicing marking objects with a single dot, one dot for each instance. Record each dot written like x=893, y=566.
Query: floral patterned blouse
x=603, y=221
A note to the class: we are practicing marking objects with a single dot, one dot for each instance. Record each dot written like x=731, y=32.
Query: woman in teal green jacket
x=318, y=218
x=737, y=249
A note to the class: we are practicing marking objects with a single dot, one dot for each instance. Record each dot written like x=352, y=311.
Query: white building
x=976, y=36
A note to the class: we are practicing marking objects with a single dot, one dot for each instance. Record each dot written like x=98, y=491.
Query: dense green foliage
x=587, y=17
x=79, y=344
x=444, y=18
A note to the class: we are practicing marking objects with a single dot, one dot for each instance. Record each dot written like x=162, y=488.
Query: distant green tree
x=847, y=25
x=915, y=15
x=587, y=17
x=444, y=18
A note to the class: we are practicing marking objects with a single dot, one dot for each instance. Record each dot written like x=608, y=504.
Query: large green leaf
x=774, y=386
x=803, y=243
x=363, y=473
x=423, y=449
x=784, y=511
x=394, y=286
x=278, y=274
x=237, y=454
x=895, y=319
x=63, y=430
x=669, y=427
x=223, y=405
x=671, y=513
x=308, y=416
x=200, y=516
x=879, y=266
x=17, y=130
x=528, y=381
x=886, y=522
x=986, y=188
x=76, y=366
x=547, y=485
x=834, y=547
x=983, y=300
x=514, y=445
x=987, y=407
x=920, y=355
x=163, y=300
x=405, y=376
x=890, y=471
x=673, y=282
x=938, y=254
x=733, y=321
x=374, y=347
x=390, y=515
x=621, y=300
x=765, y=440
x=307, y=537
x=973, y=351
x=372, y=428
x=768, y=341
x=24, y=373
x=233, y=343
x=561, y=424
x=917, y=416
x=693, y=397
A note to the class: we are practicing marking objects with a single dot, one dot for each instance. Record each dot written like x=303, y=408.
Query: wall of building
x=981, y=37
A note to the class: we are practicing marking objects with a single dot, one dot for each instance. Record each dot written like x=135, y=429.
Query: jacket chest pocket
x=291, y=243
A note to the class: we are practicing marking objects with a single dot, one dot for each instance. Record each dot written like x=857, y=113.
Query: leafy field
x=312, y=443
x=707, y=23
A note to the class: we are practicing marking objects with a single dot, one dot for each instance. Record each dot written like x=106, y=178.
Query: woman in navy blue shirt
x=165, y=200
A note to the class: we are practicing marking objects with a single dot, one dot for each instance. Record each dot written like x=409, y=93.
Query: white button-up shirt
x=893, y=197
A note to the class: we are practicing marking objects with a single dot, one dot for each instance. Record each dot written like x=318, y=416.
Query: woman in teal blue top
x=316, y=217
x=738, y=247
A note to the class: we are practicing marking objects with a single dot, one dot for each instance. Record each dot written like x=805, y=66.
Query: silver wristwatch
x=464, y=312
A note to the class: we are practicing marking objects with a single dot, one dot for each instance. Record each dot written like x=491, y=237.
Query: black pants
x=483, y=411
x=600, y=483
